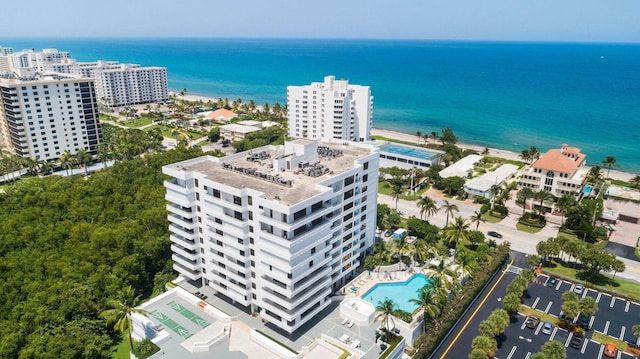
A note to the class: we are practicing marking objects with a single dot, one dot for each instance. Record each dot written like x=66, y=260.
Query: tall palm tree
x=83, y=158
x=119, y=316
x=564, y=203
x=427, y=206
x=422, y=252
x=428, y=301
x=524, y=194
x=476, y=218
x=595, y=174
x=456, y=232
x=466, y=261
x=33, y=166
x=396, y=192
x=401, y=246
x=609, y=162
x=495, y=191
x=419, y=135
x=66, y=160
x=449, y=209
x=442, y=275
x=635, y=182
x=542, y=195
x=385, y=311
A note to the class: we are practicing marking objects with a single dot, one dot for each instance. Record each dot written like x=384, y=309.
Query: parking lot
x=615, y=317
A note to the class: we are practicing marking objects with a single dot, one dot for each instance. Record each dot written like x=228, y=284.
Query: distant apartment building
x=333, y=109
x=116, y=84
x=43, y=117
x=278, y=228
x=558, y=171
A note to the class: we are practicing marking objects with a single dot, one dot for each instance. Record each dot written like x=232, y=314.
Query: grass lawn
x=617, y=286
x=387, y=190
x=104, y=117
x=544, y=317
x=138, y=122
x=604, y=339
x=522, y=227
x=491, y=219
x=123, y=349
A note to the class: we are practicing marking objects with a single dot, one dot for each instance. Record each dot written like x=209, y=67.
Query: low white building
x=278, y=228
x=481, y=186
x=236, y=132
x=462, y=168
x=407, y=157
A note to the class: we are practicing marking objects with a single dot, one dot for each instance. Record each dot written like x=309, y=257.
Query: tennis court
x=188, y=314
x=171, y=324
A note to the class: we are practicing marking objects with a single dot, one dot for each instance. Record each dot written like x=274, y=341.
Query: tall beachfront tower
x=45, y=116
x=278, y=228
x=333, y=109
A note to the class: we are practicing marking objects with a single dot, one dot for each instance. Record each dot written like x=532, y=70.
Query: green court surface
x=188, y=314
x=169, y=323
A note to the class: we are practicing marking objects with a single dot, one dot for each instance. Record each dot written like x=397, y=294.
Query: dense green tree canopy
x=68, y=245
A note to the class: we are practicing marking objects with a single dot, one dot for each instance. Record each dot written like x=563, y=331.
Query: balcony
x=182, y=242
x=184, y=252
x=182, y=232
x=173, y=185
x=186, y=223
x=191, y=274
x=192, y=265
x=180, y=211
x=181, y=199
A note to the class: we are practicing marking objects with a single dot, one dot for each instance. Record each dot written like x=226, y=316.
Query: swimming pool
x=587, y=189
x=409, y=151
x=399, y=292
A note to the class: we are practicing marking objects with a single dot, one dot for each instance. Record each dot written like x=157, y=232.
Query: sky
x=492, y=20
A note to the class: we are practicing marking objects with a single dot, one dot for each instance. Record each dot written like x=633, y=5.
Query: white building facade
x=333, y=109
x=44, y=117
x=558, y=171
x=279, y=228
x=117, y=84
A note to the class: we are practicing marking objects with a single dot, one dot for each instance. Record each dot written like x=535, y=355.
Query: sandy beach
x=510, y=155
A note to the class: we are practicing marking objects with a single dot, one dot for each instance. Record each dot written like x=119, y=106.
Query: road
x=520, y=241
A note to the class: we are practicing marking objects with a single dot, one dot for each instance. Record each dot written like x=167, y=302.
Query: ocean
x=495, y=94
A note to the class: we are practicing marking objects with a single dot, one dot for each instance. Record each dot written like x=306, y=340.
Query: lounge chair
x=355, y=344
x=350, y=324
x=344, y=321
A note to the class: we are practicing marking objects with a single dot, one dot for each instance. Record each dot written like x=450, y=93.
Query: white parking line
x=598, y=298
x=528, y=355
x=601, y=351
x=613, y=302
x=622, y=333
x=548, y=307
x=566, y=342
x=626, y=308
x=606, y=328
x=553, y=333
x=523, y=324
x=559, y=284
x=584, y=346
x=511, y=352
x=535, y=302
x=591, y=321
x=538, y=328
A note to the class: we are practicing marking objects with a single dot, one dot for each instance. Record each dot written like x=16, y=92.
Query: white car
x=578, y=289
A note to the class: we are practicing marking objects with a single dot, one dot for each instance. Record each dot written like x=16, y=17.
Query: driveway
x=620, y=250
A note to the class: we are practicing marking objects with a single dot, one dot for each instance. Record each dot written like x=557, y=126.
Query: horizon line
x=601, y=42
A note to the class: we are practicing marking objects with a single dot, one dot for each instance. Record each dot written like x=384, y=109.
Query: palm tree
x=427, y=206
x=66, y=160
x=466, y=262
x=524, y=194
x=396, y=192
x=401, y=245
x=434, y=135
x=588, y=306
x=486, y=344
x=83, y=158
x=564, y=203
x=428, y=302
x=456, y=232
x=542, y=195
x=609, y=162
x=495, y=191
x=33, y=166
x=636, y=331
x=449, y=209
x=595, y=174
x=422, y=251
x=635, y=182
x=442, y=276
x=119, y=316
x=553, y=349
x=477, y=218
x=419, y=135
x=385, y=311
x=104, y=154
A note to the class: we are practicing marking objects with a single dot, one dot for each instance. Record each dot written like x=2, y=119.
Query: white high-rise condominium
x=278, y=228
x=333, y=109
x=41, y=118
x=116, y=84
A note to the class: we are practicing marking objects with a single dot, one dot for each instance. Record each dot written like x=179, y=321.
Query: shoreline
x=378, y=131
x=495, y=152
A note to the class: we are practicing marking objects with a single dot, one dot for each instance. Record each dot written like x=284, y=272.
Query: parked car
x=546, y=328
x=576, y=340
x=532, y=322
x=584, y=321
x=388, y=233
x=494, y=234
x=578, y=289
x=551, y=281
x=610, y=350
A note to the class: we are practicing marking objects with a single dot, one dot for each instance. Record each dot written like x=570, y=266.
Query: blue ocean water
x=504, y=95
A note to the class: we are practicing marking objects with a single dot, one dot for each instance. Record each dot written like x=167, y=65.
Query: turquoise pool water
x=400, y=293
x=587, y=189
x=408, y=151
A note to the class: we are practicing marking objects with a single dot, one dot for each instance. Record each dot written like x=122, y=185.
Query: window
x=310, y=264
x=365, y=166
